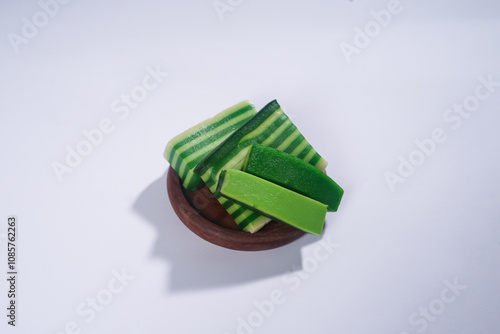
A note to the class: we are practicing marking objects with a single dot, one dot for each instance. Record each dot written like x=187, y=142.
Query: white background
x=395, y=249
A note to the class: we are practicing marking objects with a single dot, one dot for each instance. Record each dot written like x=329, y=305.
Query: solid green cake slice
x=185, y=151
x=270, y=127
x=272, y=200
x=292, y=173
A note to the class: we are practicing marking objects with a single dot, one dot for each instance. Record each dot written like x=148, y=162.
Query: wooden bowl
x=204, y=215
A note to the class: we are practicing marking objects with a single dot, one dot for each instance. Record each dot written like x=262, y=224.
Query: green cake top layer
x=294, y=174
x=272, y=200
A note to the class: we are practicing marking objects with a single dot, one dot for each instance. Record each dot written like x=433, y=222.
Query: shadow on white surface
x=198, y=264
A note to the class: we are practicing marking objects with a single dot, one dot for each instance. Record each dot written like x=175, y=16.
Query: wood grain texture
x=204, y=215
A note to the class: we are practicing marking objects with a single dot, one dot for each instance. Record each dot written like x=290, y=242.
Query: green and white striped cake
x=185, y=151
x=269, y=127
